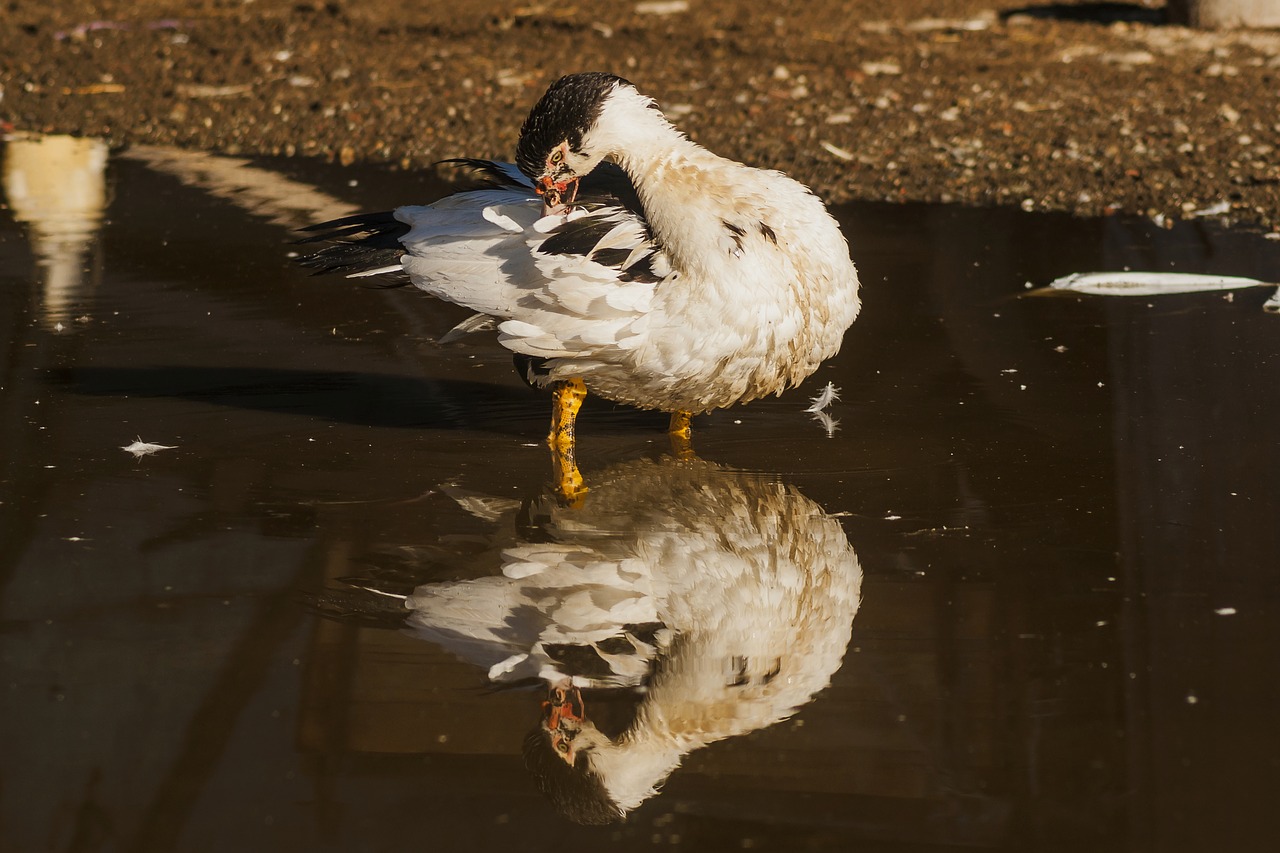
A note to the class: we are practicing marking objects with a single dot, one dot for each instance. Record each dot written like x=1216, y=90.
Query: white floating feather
x=828, y=395
x=140, y=448
x=1150, y=283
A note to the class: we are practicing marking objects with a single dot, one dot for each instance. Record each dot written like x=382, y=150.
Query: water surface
x=1063, y=510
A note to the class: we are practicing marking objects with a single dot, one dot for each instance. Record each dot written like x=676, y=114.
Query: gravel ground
x=1089, y=107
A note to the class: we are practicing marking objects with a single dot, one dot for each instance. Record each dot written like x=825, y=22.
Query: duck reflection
x=719, y=601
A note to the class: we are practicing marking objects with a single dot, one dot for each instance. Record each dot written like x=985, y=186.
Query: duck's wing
x=572, y=284
x=556, y=609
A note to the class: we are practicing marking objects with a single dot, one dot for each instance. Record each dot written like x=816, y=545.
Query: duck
x=617, y=257
x=718, y=601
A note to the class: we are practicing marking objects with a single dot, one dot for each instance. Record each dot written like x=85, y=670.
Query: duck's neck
x=669, y=173
x=641, y=759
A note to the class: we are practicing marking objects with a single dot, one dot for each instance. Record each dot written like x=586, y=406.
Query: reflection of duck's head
x=755, y=587
x=559, y=753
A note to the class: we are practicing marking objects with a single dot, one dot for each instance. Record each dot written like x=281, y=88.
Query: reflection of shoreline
x=262, y=192
x=721, y=602
x=56, y=185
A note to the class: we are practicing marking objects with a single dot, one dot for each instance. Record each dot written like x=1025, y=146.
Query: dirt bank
x=1078, y=107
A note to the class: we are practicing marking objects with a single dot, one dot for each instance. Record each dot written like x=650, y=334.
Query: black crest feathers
x=565, y=112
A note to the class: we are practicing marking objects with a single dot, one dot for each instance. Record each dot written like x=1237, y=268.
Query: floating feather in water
x=140, y=448
x=1149, y=283
x=828, y=395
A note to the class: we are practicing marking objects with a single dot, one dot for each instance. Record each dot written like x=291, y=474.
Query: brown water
x=1066, y=512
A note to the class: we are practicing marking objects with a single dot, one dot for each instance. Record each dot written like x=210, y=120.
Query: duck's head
x=562, y=139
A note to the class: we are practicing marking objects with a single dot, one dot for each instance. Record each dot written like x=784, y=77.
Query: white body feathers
x=748, y=286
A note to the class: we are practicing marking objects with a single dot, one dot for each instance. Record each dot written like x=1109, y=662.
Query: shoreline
x=954, y=102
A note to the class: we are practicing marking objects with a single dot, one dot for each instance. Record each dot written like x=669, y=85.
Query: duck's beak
x=554, y=194
x=563, y=716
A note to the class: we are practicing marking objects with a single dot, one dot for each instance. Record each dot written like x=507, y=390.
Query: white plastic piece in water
x=1225, y=611
x=1150, y=283
x=141, y=448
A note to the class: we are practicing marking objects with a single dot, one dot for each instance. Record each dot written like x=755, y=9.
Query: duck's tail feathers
x=367, y=244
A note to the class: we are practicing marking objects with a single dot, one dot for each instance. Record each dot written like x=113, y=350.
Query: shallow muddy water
x=1062, y=513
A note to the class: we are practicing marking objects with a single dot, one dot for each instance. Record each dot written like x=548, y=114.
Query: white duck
x=726, y=599
x=618, y=257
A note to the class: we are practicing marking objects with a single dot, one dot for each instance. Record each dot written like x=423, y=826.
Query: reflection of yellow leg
x=567, y=400
x=570, y=488
x=681, y=432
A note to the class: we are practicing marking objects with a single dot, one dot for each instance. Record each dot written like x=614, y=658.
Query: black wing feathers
x=364, y=242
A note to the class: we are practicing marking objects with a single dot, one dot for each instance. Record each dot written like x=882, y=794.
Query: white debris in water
x=1225, y=611
x=1272, y=305
x=1149, y=283
x=828, y=395
x=141, y=448
x=1192, y=698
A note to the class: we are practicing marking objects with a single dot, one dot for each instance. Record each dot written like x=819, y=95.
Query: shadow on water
x=368, y=399
x=1063, y=511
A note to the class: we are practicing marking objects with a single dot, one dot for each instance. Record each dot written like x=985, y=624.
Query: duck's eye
x=557, y=157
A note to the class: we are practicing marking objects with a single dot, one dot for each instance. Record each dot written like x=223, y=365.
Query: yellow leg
x=681, y=433
x=567, y=400
x=567, y=397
